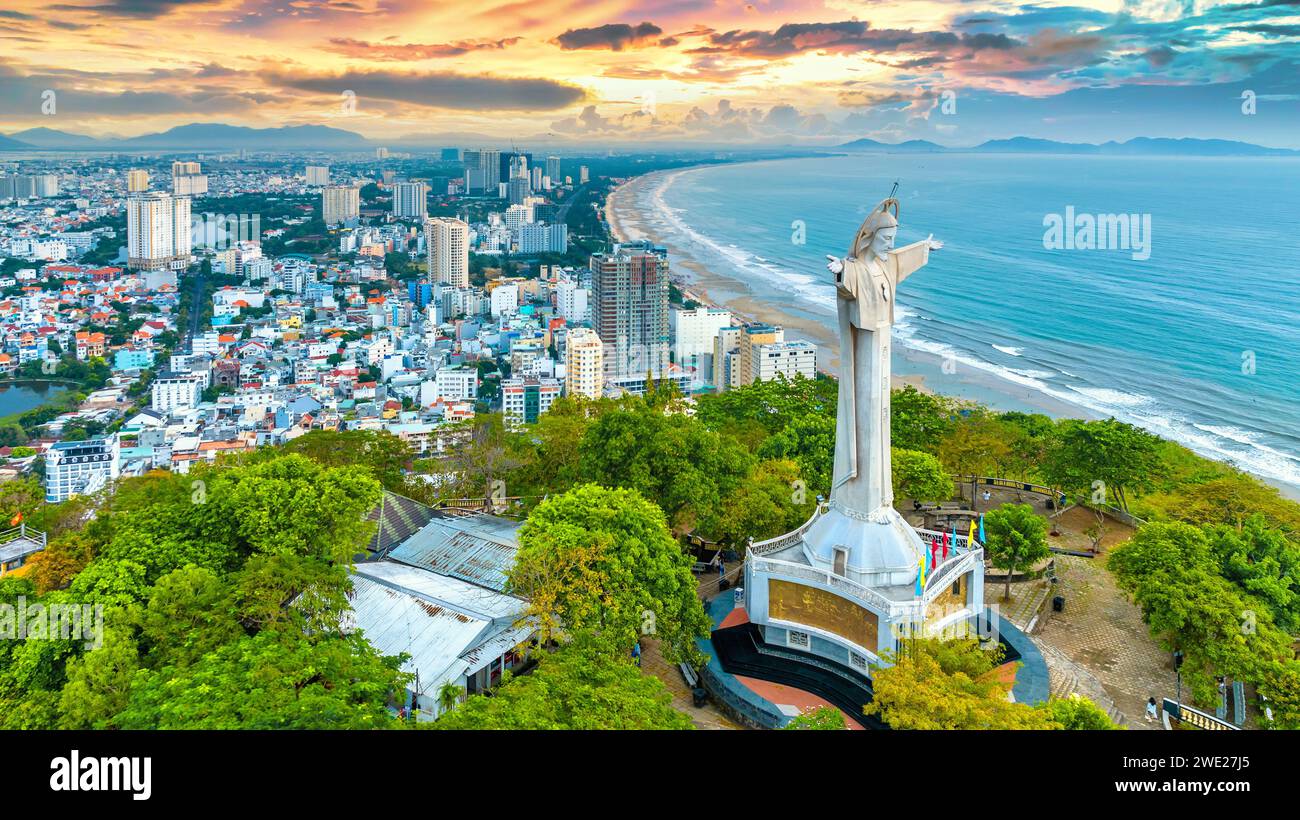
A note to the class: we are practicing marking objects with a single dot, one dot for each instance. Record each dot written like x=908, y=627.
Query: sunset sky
x=708, y=72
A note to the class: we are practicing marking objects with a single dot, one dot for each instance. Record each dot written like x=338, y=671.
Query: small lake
x=21, y=398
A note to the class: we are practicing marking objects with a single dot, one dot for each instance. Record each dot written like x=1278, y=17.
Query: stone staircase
x=1068, y=678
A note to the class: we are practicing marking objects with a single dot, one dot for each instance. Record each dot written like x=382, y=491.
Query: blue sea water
x=1199, y=343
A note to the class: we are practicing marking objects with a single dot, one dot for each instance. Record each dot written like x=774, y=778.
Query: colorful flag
x=970, y=537
x=17, y=519
x=920, y=577
x=981, y=528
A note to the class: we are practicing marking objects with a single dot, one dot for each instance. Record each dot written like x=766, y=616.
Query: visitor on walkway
x=636, y=654
x=1151, y=709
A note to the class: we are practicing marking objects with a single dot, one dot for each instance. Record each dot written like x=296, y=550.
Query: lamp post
x=1178, y=671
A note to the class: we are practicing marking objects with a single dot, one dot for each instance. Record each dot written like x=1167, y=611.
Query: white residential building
x=158, y=233
x=584, y=365
x=78, y=467
x=694, y=332
x=784, y=358
x=175, y=391
x=446, y=243
x=523, y=400
x=456, y=383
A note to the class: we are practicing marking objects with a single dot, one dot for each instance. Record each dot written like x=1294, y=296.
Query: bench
x=698, y=695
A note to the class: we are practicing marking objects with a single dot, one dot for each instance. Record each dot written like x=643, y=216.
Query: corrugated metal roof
x=475, y=548
x=450, y=628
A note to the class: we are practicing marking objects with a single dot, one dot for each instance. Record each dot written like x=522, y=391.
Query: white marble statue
x=866, y=282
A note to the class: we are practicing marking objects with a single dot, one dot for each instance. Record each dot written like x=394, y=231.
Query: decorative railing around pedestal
x=787, y=540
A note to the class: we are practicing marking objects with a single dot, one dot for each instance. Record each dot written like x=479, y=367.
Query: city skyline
x=802, y=72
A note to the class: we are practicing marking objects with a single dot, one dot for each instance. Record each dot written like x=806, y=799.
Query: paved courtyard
x=1102, y=632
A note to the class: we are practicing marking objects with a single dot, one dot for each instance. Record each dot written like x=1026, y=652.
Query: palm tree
x=448, y=696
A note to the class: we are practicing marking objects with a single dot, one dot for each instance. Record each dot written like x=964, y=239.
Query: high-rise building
x=752, y=338
x=583, y=175
x=158, y=231
x=137, y=180
x=80, y=467
x=446, y=244
x=629, y=291
x=485, y=170
x=188, y=179
x=553, y=169
x=410, y=199
x=726, y=350
x=693, y=334
x=340, y=204
x=518, y=190
x=571, y=302
x=584, y=366
x=318, y=175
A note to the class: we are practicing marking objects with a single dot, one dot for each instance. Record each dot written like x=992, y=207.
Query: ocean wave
x=1010, y=351
x=807, y=287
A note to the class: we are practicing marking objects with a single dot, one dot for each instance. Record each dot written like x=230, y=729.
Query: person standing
x=1151, y=709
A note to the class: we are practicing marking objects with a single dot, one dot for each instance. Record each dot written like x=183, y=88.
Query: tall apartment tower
x=629, y=308
x=158, y=233
x=340, y=204
x=584, y=367
x=188, y=179
x=137, y=181
x=446, y=244
x=553, y=170
x=318, y=175
x=410, y=199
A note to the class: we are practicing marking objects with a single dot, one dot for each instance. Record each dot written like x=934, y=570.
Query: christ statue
x=866, y=282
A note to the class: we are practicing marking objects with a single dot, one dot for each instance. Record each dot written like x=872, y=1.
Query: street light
x=1178, y=670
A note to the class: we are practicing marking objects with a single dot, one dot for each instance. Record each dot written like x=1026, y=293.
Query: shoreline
x=627, y=222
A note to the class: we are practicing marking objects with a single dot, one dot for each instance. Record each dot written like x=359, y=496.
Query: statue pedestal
x=879, y=549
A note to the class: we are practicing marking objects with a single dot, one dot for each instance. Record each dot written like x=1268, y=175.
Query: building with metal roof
x=479, y=549
x=454, y=631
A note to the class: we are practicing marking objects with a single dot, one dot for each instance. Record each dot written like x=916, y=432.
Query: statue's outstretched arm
x=836, y=266
x=910, y=258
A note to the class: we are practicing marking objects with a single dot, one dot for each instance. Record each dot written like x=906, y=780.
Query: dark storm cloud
x=612, y=36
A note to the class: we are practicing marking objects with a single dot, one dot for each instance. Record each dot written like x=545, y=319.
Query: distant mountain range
x=195, y=136
x=1138, y=146
x=213, y=136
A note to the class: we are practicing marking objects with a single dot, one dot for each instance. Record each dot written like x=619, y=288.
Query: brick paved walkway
x=1102, y=632
x=653, y=663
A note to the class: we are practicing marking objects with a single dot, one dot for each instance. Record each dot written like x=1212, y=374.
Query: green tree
x=585, y=685
x=1122, y=457
x=1076, y=713
x=1015, y=536
x=771, y=501
x=602, y=560
x=673, y=460
x=271, y=681
x=919, y=476
x=919, y=421
x=934, y=684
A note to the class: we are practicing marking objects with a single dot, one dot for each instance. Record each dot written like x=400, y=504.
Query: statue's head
x=876, y=235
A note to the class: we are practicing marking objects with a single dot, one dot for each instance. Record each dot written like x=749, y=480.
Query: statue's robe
x=866, y=288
